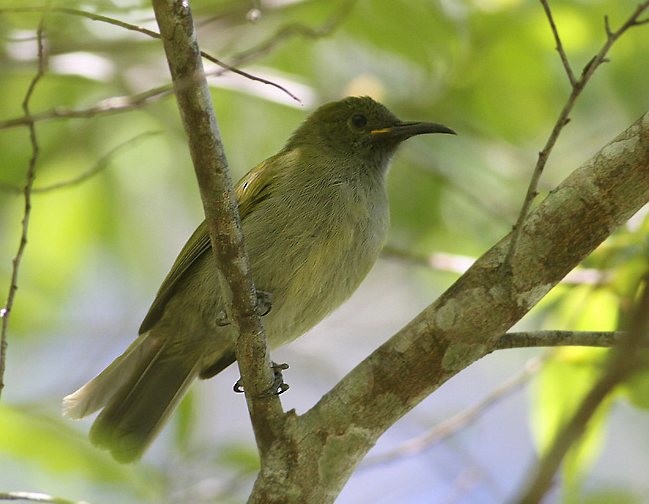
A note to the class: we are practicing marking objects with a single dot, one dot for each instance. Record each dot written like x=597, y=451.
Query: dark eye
x=359, y=121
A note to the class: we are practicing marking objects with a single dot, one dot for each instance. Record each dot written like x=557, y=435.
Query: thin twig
x=110, y=105
x=564, y=119
x=459, y=421
x=456, y=263
x=29, y=182
x=98, y=167
x=288, y=31
x=128, y=26
x=624, y=361
x=535, y=339
x=36, y=497
x=559, y=47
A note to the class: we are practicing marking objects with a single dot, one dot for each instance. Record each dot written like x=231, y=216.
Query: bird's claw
x=264, y=303
x=278, y=387
x=263, y=307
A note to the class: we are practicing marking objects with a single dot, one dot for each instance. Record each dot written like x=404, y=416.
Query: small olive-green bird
x=314, y=216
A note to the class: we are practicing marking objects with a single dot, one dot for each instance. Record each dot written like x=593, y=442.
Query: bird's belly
x=319, y=272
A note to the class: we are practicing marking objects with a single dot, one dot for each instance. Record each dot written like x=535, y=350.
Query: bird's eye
x=359, y=121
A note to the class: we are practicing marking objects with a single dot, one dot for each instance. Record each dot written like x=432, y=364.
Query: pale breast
x=317, y=255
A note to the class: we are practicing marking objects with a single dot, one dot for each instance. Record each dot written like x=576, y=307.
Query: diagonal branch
x=463, y=325
x=155, y=35
x=455, y=263
x=452, y=425
x=111, y=105
x=98, y=167
x=564, y=115
x=459, y=421
x=623, y=362
x=219, y=202
x=290, y=30
x=559, y=47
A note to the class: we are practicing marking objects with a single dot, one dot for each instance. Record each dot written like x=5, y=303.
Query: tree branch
x=559, y=44
x=290, y=30
x=447, y=428
x=30, y=175
x=110, y=105
x=604, y=339
x=564, y=116
x=98, y=167
x=36, y=497
x=455, y=263
x=152, y=34
x=463, y=325
x=624, y=361
x=219, y=202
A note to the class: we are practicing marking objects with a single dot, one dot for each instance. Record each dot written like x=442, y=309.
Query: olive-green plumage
x=314, y=218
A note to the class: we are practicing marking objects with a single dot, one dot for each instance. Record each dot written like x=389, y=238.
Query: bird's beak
x=403, y=130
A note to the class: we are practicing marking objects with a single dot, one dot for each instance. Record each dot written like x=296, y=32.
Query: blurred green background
x=98, y=249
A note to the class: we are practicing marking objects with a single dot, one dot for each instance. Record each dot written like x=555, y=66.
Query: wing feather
x=250, y=191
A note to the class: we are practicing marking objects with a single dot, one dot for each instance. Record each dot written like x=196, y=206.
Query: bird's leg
x=262, y=307
x=278, y=387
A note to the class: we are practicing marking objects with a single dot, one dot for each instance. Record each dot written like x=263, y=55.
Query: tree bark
x=308, y=458
x=178, y=35
x=318, y=451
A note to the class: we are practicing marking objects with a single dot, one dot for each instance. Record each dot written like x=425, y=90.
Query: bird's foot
x=278, y=387
x=263, y=307
x=264, y=303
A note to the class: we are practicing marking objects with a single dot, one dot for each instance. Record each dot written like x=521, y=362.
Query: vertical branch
x=219, y=202
x=30, y=175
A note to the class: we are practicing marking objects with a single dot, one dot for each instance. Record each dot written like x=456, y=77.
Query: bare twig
x=459, y=421
x=30, y=175
x=563, y=119
x=559, y=47
x=99, y=166
x=111, y=105
x=624, y=361
x=290, y=30
x=456, y=263
x=222, y=218
x=36, y=497
x=153, y=34
x=531, y=339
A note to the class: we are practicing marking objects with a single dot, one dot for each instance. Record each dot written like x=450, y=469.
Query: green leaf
x=636, y=389
x=55, y=448
x=558, y=391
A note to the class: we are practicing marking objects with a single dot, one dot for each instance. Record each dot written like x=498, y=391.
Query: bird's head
x=359, y=128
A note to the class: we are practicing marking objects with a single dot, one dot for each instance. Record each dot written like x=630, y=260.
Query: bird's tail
x=137, y=392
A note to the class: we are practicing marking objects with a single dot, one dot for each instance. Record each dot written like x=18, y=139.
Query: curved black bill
x=405, y=130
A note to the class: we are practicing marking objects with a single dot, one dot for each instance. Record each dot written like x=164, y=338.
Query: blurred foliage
x=97, y=250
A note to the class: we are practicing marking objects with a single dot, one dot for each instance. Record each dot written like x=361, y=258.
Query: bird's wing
x=250, y=190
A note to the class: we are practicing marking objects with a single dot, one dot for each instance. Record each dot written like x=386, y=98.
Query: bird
x=314, y=217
